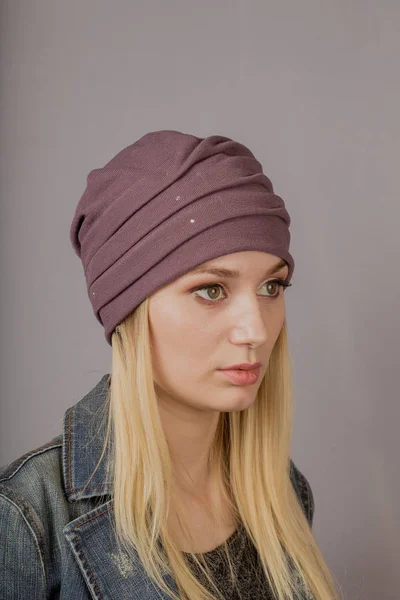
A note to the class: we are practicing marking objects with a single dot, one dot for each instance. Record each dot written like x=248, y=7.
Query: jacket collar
x=84, y=429
x=108, y=573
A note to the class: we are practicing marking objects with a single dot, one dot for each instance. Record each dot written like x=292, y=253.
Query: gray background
x=313, y=89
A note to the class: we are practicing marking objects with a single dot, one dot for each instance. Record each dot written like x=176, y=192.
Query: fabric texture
x=162, y=206
x=251, y=581
x=57, y=539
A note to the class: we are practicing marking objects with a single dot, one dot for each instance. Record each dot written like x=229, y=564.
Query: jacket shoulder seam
x=13, y=468
x=33, y=526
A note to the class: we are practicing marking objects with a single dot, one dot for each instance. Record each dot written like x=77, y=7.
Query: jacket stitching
x=23, y=459
x=36, y=540
x=10, y=497
x=95, y=487
x=71, y=487
x=80, y=551
x=89, y=570
x=92, y=517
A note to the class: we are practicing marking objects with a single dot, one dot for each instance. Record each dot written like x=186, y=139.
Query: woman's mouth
x=241, y=377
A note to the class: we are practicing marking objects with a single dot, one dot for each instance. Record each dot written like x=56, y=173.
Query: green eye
x=281, y=284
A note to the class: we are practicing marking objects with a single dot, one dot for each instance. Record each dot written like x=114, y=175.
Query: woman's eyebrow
x=223, y=272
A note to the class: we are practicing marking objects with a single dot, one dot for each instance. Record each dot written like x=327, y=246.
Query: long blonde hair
x=250, y=454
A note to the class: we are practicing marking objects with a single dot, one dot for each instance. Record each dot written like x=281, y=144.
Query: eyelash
x=282, y=283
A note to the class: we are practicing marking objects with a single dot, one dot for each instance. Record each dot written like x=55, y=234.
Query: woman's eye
x=213, y=296
x=211, y=291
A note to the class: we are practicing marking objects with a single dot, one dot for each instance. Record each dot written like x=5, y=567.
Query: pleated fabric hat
x=164, y=205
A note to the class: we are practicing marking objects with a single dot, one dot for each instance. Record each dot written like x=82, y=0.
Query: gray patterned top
x=251, y=581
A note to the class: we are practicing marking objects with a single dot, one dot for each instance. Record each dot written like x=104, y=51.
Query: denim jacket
x=56, y=534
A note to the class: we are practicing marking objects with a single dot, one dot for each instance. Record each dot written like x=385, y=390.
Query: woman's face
x=196, y=333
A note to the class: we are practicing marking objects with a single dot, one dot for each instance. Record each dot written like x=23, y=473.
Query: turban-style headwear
x=162, y=206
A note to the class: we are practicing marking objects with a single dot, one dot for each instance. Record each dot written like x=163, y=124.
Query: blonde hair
x=250, y=454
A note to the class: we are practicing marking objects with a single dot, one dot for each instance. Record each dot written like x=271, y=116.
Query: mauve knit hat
x=162, y=206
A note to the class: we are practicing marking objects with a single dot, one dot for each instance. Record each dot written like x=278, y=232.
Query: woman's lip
x=241, y=377
x=243, y=367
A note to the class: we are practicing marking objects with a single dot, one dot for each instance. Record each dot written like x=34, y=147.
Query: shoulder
x=43, y=491
x=32, y=483
x=28, y=487
x=34, y=471
x=304, y=491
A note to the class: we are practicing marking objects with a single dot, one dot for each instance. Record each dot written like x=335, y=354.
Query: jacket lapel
x=108, y=572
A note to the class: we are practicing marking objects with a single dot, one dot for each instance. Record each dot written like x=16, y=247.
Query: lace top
x=251, y=583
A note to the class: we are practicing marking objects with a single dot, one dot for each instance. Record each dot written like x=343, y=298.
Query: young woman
x=172, y=477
